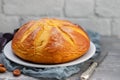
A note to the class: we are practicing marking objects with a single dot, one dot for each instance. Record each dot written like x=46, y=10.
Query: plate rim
x=29, y=64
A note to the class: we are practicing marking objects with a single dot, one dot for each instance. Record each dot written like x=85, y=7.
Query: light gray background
x=101, y=16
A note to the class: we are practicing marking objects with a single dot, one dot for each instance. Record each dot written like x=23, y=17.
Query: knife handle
x=85, y=75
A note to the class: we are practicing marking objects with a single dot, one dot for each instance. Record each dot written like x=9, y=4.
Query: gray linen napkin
x=57, y=72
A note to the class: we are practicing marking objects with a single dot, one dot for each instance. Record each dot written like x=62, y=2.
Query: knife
x=96, y=61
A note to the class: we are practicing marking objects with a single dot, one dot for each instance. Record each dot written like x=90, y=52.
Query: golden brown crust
x=50, y=41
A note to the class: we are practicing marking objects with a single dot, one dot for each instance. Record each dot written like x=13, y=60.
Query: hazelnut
x=2, y=69
x=16, y=72
x=1, y=65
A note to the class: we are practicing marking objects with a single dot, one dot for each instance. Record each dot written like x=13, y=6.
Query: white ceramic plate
x=9, y=54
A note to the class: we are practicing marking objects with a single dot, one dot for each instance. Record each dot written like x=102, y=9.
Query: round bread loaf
x=50, y=41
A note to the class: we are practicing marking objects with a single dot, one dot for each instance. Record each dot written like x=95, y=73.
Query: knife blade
x=96, y=61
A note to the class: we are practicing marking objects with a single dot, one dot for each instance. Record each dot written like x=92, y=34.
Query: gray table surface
x=109, y=69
